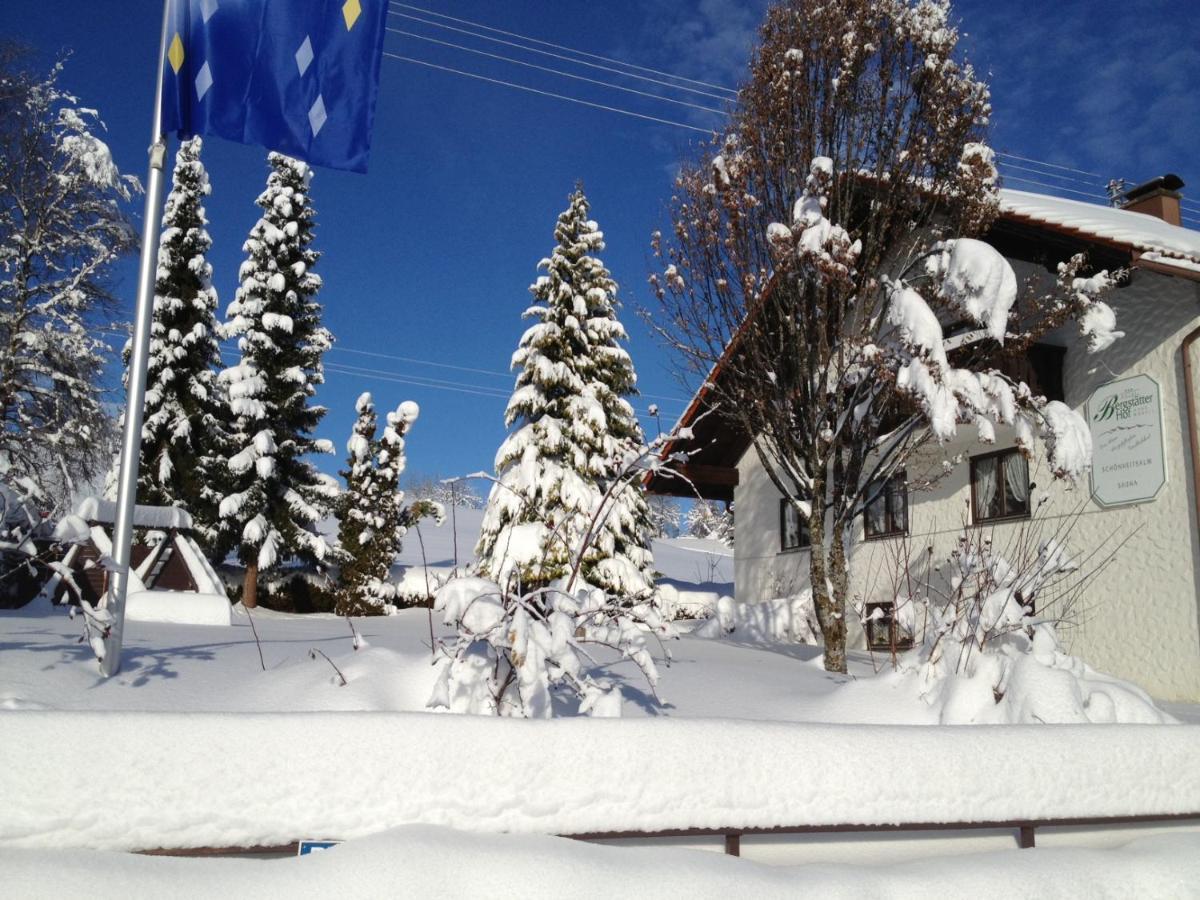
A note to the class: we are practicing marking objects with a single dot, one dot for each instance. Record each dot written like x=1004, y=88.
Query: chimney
x=1158, y=197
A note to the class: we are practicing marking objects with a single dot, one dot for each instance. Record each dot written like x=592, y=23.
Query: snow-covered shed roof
x=93, y=509
x=1161, y=241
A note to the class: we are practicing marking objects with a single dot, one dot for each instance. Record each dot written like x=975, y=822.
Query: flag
x=297, y=76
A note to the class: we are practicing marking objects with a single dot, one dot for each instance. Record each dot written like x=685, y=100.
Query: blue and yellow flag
x=298, y=76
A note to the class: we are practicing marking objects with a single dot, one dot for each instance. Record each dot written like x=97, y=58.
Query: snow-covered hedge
x=779, y=619
x=166, y=779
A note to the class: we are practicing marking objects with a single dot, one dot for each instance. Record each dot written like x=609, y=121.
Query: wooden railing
x=1025, y=831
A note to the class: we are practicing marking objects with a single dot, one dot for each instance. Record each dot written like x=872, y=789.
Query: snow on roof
x=93, y=509
x=1138, y=231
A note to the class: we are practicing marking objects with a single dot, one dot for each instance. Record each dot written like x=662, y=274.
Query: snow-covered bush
x=674, y=603
x=515, y=647
x=987, y=651
x=780, y=619
x=513, y=653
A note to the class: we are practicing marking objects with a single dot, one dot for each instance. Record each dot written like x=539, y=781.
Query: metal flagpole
x=131, y=436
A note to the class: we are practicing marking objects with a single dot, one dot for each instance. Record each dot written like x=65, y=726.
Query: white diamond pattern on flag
x=304, y=56
x=204, y=81
x=207, y=8
x=316, y=115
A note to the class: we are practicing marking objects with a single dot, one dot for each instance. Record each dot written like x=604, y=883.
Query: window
x=887, y=507
x=882, y=630
x=793, y=530
x=1000, y=486
x=1041, y=367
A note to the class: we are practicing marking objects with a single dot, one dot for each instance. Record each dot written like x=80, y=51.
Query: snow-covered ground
x=740, y=734
x=424, y=861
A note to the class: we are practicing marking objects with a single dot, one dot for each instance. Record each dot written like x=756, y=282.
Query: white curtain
x=877, y=508
x=985, y=487
x=1016, y=478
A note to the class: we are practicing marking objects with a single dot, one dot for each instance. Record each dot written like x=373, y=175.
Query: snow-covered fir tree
x=372, y=519
x=572, y=432
x=187, y=417
x=276, y=495
x=62, y=227
x=706, y=519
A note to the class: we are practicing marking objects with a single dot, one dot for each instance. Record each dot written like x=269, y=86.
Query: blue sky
x=429, y=256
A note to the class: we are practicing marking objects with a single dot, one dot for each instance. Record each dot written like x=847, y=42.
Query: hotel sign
x=1125, y=418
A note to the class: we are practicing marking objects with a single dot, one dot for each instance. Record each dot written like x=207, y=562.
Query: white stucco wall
x=1138, y=619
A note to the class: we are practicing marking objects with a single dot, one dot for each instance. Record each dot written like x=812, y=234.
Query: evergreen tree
x=572, y=430
x=276, y=496
x=372, y=521
x=627, y=568
x=187, y=417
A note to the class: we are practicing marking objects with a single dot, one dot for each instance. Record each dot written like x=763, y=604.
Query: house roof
x=1136, y=232
x=715, y=448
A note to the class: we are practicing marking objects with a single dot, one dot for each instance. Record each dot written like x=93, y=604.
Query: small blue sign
x=307, y=847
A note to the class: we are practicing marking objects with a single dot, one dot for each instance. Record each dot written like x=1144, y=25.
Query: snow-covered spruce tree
x=187, y=418
x=371, y=515
x=706, y=520
x=572, y=429
x=276, y=497
x=833, y=229
x=62, y=226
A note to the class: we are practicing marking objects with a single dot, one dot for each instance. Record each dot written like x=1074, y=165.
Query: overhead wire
x=1049, y=165
x=533, y=40
x=395, y=377
x=521, y=62
x=532, y=90
x=1099, y=187
x=578, y=62
x=1056, y=187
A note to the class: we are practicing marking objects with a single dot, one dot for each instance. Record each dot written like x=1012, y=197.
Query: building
x=172, y=580
x=1138, y=618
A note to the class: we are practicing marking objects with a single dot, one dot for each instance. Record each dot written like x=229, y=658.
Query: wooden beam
x=726, y=476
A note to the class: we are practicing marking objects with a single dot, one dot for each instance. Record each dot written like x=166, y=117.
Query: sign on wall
x=1128, y=465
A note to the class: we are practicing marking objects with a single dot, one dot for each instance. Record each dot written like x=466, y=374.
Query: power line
x=1049, y=165
x=578, y=62
x=530, y=65
x=228, y=351
x=522, y=87
x=1056, y=187
x=730, y=91
x=1071, y=178
x=424, y=362
x=619, y=62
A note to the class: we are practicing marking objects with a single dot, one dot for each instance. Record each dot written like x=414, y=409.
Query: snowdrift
x=166, y=780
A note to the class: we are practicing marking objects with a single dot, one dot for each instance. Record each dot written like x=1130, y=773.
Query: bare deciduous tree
x=823, y=270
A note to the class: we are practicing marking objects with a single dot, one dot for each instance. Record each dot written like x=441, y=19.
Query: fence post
x=733, y=844
x=1026, y=841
